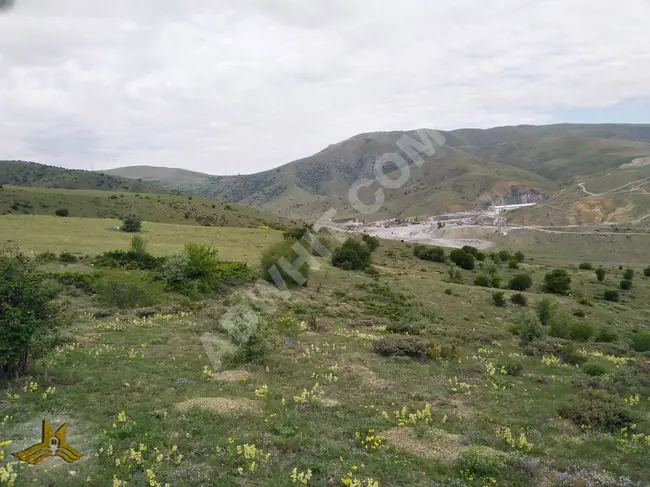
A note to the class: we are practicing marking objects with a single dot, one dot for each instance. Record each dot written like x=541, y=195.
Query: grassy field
x=161, y=208
x=141, y=398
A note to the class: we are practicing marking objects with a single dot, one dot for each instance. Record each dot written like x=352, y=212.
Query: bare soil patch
x=221, y=405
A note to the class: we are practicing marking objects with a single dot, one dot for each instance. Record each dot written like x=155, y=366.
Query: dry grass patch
x=221, y=405
x=367, y=376
x=235, y=375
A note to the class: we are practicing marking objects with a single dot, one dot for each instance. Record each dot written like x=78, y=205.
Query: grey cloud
x=227, y=87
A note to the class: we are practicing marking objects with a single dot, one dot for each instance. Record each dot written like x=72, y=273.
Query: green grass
x=133, y=365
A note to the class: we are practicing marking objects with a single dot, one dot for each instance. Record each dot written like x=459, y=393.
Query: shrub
x=131, y=223
x=586, y=266
x=579, y=313
x=261, y=343
x=483, y=281
x=128, y=289
x=480, y=466
x=646, y=271
x=445, y=352
x=454, y=274
x=138, y=244
x=405, y=328
x=598, y=409
x=519, y=299
x=372, y=271
x=559, y=327
x=62, y=212
x=391, y=346
x=352, y=255
x=499, y=299
x=520, y=282
x=557, y=281
x=626, y=284
x=530, y=328
x=606, y=336
x=432, y=254
x=641, y=341
x=295, y=233
x=371, y=242
x=514, y=369
x=46, y=257
x=505, y=256
x=476, y=253
x=545, y=310
x=593, y=369
x=128, y=259
x=29, y=321
x=272, y=268
x=611, y=295
x=84, y=281
x=519, y=256
x=570, y=355
x=600, y=274
x=68, y=257
x=513, y=264
x=462, y=259
x=628, y=274
x=581, y=332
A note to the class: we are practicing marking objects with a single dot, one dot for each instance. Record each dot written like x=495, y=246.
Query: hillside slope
x=180, y=209
x=21, y=173
x=180, y=179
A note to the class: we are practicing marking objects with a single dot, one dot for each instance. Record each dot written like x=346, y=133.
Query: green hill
x=21, y=173
x=162, y=208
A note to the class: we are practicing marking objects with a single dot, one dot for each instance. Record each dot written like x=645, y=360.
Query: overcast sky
x=229, y=87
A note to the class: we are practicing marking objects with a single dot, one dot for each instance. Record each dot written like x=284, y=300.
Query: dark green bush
x=62, y=212
x=579, y=313
x=569, y=354
x=520, y=282
x=462, y=259
x=352, y=255
x=391, y=346
x=581, y=332
x=505, y=255
x=530, y=328
x=131, y=223
x=476, y=253
x=606, y=336
x=444, y=352
x=480, y=466
x=628, y=274
x=262, y=342
x=405, y=328
x=499, y=299
x=128, y=289
x=432, y=254
x=519, y=256
x=641, y=341
x=29, y=320
x=545, y=310
x=46, y=257
x=598, y=409
x=611, y=295
x=483, y=281
x=626, y=284
x=283, y=252
x=586, y=266
x=513, y=264
x=138, y=244
x=371, y=242
x=512, y=369
x=84, y=281
x=519, y=299
x=68, y=257
x=593, y=369
x=128, y=259
x=557, y=281
x=646, y=272
x=296, y=233
x=600, y=274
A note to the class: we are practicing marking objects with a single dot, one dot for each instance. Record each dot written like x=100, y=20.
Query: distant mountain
x=21, y=173
x=181, y=179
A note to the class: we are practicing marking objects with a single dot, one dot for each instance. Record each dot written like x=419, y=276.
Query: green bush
x=432, y=254
x=131, y=223
x=263, y=342
x=581, y=332
x=569, y=354
x=499, y=299
x=646, y=271
x=519, y=256
x=462, y=259
x=371, y=242
x=520, y=282
x=519, y=299
x=480, y=466
x=559, y=327
x=626, y=284
x=29, y=321
x=483, y=281
x=586, y=266
x=476, y=253
x=628, y=274
x=545, y=310
x=405, y=328
x=641, y=341
x=406, y=346
x=445, y=352
x=557, y=281
x=513, y=264
x=64, y=212
x=272, y=268
x=530, y=328
x=606, y=336
x=512, y=369
x=611, y=295
x=593, y=369
x=352, y=255
x=296, y=233
x=46, y=257
x=598, y=409
x=372, y=271
x=128, y=259
x=68, y=257
x=505, y=255
x=138, y=244
x=128, y=289
x=84, y=281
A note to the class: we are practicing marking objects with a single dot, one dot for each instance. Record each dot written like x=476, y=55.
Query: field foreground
x=146, y=406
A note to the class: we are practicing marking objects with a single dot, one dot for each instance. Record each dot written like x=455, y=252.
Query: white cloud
x=227, y=88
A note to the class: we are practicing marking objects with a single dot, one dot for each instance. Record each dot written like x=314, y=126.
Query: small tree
x=646, y=272
x=611, y=295
x=521, y=282
x=499, y=299
x=371, y=242
x=62, y=212
x=352, y=255
x=138, y=244
x=628, y=274
x=545, y=311
x=626, y=284
x=505, y=255
x=600, y=274
x=28, y=318
x=131, y=223
x=557, y=281
x=272, y=268
x=586, y=266
x=531, y=328
x=519, y=256
x=462, y=259
x=432, y=254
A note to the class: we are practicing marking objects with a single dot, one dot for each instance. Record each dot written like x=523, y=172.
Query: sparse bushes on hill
x=611, y=295
x=29, y=320
x=277, y=263
x=432, y=254
x=131, y=223
x=520, y=282
x=63, y=212
x=598, y=409
x=628, y=274
x=600, y=274
x=462, y=259
x=626, y=284
x=352, y=255
x=557, y=281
